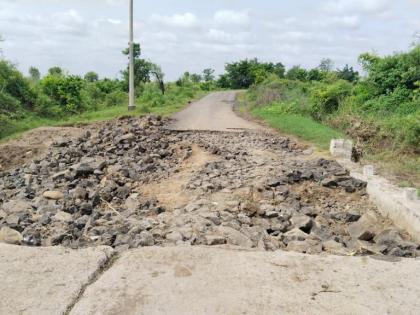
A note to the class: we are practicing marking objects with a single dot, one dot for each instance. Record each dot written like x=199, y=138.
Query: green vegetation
x=380, y=111
x=245, y=73
x=303, y=127
x=60, y=98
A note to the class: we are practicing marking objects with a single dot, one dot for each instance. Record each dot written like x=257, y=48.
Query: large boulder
x=10, y=236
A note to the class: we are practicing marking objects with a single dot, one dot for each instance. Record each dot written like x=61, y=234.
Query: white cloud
x=70, y=22
x=294, y=36
x=230, y=17
x=218, y=35
x=356, y=6
x=187, y=20
x=349, y=22
x=114, y=21
x=166, y=36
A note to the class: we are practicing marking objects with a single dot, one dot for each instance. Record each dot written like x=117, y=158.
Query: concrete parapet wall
x=341, y=148
x=401, y=205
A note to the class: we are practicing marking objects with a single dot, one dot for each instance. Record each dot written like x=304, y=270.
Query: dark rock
x=81, y=222
x=83, y=170
x=345, y=217
x=302, y=222
x=365, y=228
x=86, y=208
x=329, y=182
x=123, y=192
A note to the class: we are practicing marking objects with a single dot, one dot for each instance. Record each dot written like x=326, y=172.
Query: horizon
x=181, y=36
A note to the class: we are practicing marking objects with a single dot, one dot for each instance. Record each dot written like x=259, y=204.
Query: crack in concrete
x=104, y=267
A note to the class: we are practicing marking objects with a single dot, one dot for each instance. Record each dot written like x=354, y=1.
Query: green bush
x=14, y=85
x=406, y=130
x=116, y=98
x=65, y=91
x=327, y=98
x=9, y=105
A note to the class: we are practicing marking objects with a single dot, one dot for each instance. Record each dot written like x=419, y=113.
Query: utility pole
x=131, y=101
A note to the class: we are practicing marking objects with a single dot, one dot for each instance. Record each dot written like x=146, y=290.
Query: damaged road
x=132, y=182
x=131, y=216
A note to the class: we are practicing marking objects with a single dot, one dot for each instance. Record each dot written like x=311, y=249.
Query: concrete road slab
x=218, y=281
x=45, y=280
x=213, y=112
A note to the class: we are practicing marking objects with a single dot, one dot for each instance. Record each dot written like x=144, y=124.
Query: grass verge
x=403, y=170
x=169, y=107
x=304, y=128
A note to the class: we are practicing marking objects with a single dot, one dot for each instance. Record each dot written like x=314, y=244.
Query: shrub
x=13, y=84
x=326, y=98
x=65, y=92
x=116, y=98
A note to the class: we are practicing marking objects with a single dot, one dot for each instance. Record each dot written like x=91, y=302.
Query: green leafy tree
x=348, y=74
x=34, y=74
x=243, y=74
x=279, y=69
x=326, y=65
x=315, y=75
x=297, y=73
x=223, y=82
x=56, y=71
x=91, y=77
x=142, y=68
x=208, y=75
x=196, y=78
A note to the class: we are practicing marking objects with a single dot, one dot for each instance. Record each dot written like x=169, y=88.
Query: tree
x=34, y=74
x=208, y=75
x=315, y=75
x=141, y=67
x=55, y=71
x=91, y=77
x=326, y=65
x=223, y=81
x=279, y=70
x=348, y=74
x=136, y=51
x=196, y=78
x=297, y=73
x=156, y=71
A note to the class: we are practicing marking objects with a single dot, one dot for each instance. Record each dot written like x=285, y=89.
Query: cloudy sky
x=180, y=35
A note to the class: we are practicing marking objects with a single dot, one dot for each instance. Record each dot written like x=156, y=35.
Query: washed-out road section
x=203, y=280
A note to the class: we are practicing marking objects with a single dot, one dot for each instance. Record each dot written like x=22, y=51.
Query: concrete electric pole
x=131, y=101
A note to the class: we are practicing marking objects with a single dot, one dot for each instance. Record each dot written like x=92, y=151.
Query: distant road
x=213, y=112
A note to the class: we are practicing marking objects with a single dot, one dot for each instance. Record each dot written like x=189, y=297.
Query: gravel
x=254, y=190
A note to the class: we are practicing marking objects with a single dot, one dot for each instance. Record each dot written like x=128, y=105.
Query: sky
x=191, y=35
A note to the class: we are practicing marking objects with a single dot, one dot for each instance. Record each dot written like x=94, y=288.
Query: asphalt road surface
x=213, y=112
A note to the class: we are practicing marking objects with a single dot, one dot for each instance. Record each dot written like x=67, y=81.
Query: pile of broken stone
x=85, y=192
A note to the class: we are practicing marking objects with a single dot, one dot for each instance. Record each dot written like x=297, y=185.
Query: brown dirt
x=33, y=144
x=171, y=192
